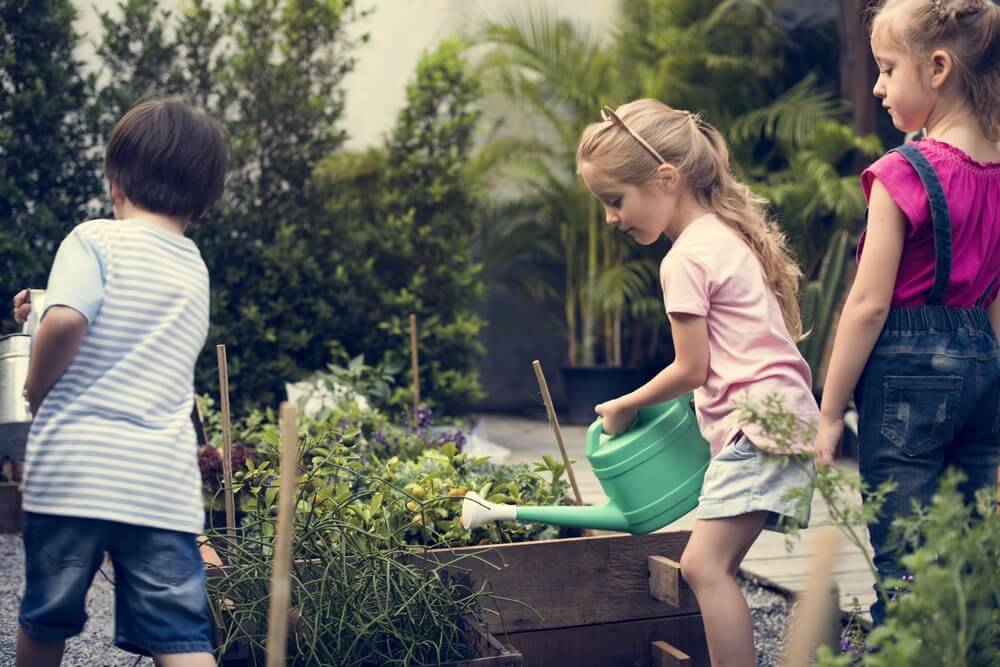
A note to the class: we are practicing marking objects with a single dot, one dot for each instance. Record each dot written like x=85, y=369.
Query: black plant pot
x=586, y=386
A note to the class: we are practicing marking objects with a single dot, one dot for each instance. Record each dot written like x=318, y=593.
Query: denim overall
x=929, y=396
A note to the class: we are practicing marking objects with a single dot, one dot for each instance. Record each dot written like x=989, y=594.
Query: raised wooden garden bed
x=489, y=651
x=582, y=601
x=593, y=597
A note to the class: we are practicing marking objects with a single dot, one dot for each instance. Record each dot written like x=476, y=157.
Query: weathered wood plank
x=612, y=644
x=665, y=655
x=665, y=579
x=579, y=581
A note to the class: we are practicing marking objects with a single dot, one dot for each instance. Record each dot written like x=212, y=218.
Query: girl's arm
x=688, y=371
x=864, y=315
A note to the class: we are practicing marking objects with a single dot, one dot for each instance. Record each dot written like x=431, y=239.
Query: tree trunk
x=857, y=66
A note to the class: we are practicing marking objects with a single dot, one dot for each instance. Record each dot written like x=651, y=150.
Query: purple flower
x=423, y=417
x=455, y=436
x=238, y=457
x=209, y=462
x=379, y=437
x=845, y=644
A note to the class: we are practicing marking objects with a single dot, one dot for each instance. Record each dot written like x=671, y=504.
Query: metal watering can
x=15, y=351
x=652, y=474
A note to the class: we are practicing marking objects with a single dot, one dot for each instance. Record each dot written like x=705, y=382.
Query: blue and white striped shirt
x=113, y=439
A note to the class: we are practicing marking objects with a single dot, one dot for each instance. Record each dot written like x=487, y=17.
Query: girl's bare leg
x=709, y=565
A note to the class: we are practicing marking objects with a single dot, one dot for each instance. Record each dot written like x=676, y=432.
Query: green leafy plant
x=358, y=597
x=946, y=609
x=820, y=300
x=426, y=471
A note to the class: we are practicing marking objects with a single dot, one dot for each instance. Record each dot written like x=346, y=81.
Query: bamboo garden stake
x=227, y=443
x=277, y=619
x=554, y=421
x=414, y=364
x=812, y=619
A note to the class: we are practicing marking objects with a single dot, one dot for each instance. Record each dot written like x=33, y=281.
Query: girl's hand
x=22, y=306
x=615, y=416
x=828, y=437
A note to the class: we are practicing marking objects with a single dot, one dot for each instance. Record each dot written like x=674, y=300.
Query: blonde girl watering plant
x=730, y=291
x=917, y=339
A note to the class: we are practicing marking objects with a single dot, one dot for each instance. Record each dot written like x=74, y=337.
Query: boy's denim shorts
x=742, y=478
x=161, y=606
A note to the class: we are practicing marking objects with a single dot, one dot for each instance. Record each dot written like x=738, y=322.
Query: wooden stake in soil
x=277, y=618
x=414, y=365
x=227, y=443
x=554, y=421
x=812, y=619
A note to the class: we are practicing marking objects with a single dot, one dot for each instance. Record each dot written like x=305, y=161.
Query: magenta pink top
x=973, y=192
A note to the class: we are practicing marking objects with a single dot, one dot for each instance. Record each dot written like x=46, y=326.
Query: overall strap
x=939, y=217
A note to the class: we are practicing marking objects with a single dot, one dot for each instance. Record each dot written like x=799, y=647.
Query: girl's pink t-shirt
x=973, y=192
x=711, y=272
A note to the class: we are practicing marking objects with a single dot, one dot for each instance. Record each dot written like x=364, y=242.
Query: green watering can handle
x=596, y=437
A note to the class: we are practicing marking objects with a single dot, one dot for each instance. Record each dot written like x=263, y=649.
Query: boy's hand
x=34, y=402
x=828, y=437
x=615, y=416
x=22, y=306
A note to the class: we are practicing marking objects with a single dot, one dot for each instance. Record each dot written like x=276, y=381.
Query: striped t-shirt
x=113, y=438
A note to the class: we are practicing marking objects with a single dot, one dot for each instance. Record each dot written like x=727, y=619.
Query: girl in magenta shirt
x=917, y=338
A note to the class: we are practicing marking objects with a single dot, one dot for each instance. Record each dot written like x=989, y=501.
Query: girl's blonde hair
x=699, y=153
x=969, y=30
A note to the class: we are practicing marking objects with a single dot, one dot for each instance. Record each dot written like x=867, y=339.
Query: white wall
x=400, y=30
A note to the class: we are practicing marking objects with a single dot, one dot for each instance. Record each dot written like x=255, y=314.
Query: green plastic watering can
x=652, y=474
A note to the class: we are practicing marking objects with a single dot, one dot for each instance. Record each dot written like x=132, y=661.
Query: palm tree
x=554, y=76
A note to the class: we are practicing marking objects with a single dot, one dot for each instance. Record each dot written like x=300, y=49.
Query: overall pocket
x=919, y=411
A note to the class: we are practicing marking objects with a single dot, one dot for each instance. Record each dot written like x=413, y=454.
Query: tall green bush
x=48, y=172
x=316, y=253
x=407, y=215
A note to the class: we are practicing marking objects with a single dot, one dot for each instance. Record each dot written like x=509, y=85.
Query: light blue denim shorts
x=743, y=478
x=160, y=600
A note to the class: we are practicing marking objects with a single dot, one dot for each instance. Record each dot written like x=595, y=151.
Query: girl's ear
x=940, y=68
x=669, y=177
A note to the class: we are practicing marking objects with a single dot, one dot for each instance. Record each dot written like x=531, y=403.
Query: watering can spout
x=476, y=511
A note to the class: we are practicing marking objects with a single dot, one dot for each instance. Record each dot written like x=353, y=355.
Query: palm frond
x=792, y=117
x=629, y=281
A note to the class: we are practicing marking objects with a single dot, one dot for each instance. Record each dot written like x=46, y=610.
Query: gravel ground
x=771, y=613
x=94, y=648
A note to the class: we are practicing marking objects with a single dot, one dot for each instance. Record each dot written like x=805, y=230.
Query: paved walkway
x=529, y=439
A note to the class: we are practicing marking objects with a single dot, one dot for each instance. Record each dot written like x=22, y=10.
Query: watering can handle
x=596, y=435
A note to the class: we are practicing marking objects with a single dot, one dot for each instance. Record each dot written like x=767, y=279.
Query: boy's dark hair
x=168, y=158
